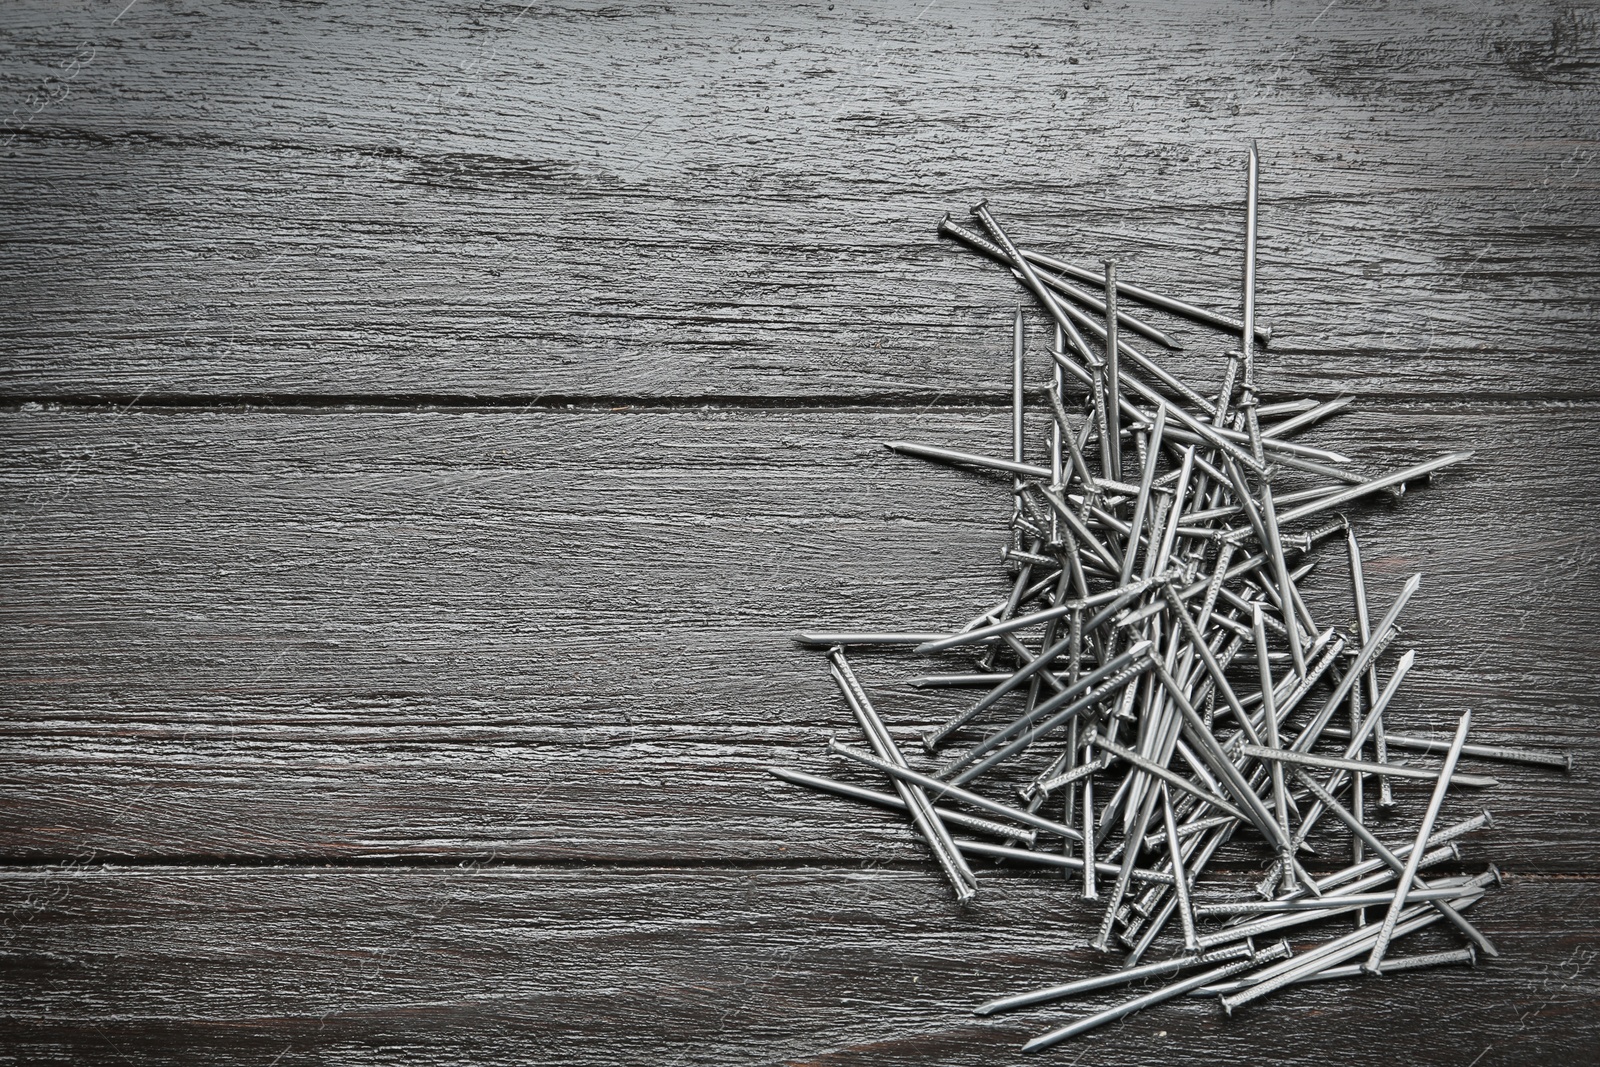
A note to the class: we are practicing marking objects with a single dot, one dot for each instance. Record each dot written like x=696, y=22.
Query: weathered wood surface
x=357, y=633
x=709, y=965
x=567, y=635
x=346, y=199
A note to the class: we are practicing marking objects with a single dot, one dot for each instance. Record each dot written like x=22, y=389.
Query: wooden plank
x=566, y=635
x=345, y=200
x=706, y=966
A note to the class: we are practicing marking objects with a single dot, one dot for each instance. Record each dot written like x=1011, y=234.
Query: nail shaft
x=1381, y=945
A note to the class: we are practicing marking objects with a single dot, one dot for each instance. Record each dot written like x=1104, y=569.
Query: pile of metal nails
x=1155, y=686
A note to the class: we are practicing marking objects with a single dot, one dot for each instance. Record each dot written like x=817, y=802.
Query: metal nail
x=1393, y=770
x=926, y=821
x=939, y=789
x=948, y=227
x=1160, y=969
x=1176, y=989
x=1113, y=389
x=1381, y=945
x=1395, y=864
x=1180, y=881
x=959, y=819
x=1538, y=757
x=1248, y=334
x=1030, y=277
x=1390, y=965
x=1263, y=331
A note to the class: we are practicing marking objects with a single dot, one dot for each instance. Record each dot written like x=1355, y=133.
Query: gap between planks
x=336, y=404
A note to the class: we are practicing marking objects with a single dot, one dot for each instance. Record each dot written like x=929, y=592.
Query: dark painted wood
x=703, y=966
x=568, y=634
x=692, y=200
x=518, y=632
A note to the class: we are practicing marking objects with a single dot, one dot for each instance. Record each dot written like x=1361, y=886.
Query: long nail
x=1144, y=296
x=950, y=455
x=1113, y=388
x=1269, y=721
x=1248, y=334
x=1368, y=653
x=948, y=227
x=1230, y=373
x=962, y=880
x=970, y=823
x=1060, y=433
x=1286, y=589
x=1180, y=882
x=1358, y=795
x=1091, y=889
x=1354, y=900
x=1176, y=989
x=1331, y=953
x=1054, y=859
x=1356, y=492
x=1358, y=581
x=1142, y=503
x=940, y=789
x=827, y=639
x=1538, y=757
x=1305, y=418
x=1393, y=770
x=1380, y=850
x=1030, y=277
x=1160, y=969
x=1386, y=932
x=1285, y=920
x=954, y=681
x=1016, y=395
x=1391, y=965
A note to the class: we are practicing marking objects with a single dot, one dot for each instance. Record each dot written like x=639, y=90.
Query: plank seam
x=489, y=861
x=334, y=403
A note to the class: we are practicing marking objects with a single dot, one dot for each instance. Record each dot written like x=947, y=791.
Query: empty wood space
x=422, y=431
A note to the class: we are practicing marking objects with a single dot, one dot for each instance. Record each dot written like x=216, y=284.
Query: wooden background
x=423, y=429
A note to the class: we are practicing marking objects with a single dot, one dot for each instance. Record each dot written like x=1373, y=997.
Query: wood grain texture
x=686, y=201
x=417, y=712
x=567, y=635
x=709, y=966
